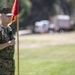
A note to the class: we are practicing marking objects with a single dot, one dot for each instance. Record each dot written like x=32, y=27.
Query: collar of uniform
x=1, y=25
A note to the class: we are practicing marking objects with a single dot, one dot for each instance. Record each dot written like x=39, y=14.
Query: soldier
x=7, y=42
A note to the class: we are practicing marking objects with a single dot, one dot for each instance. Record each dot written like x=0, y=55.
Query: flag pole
x=15, y=17
x=18, y=45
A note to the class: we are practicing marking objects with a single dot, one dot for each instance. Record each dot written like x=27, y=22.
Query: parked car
x=41, y=26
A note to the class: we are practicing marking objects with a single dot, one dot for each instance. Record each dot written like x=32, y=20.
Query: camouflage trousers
x=7, y=67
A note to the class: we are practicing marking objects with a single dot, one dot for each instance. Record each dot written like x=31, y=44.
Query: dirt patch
x=49, y=40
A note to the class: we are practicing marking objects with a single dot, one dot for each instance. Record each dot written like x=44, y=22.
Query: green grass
x=51, y=60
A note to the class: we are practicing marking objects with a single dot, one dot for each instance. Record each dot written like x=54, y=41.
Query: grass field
x=45, y=54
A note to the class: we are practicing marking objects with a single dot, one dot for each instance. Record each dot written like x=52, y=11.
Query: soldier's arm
x=4, y=45
x=9, y=43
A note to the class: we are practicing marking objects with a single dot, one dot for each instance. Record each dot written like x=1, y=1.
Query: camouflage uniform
x=7, y=66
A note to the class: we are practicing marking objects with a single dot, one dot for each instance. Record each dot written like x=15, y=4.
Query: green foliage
x=6, y=2
x=24, y=9
x=10, y=2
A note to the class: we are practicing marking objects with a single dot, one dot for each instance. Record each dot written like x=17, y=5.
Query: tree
x=24, y=9
x=35, y=10
x=41, y=9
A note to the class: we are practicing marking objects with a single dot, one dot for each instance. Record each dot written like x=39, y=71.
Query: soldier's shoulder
x=10, y=29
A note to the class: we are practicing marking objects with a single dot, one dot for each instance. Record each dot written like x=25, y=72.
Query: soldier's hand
x=11, y=42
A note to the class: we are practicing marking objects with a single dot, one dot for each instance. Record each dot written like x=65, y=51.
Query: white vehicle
x=61, y=23
x=41, y=26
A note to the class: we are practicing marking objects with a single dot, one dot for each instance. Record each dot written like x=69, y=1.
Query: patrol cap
x=6, y=10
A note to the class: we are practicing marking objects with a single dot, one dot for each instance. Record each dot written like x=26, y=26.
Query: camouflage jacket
x=6, y=35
